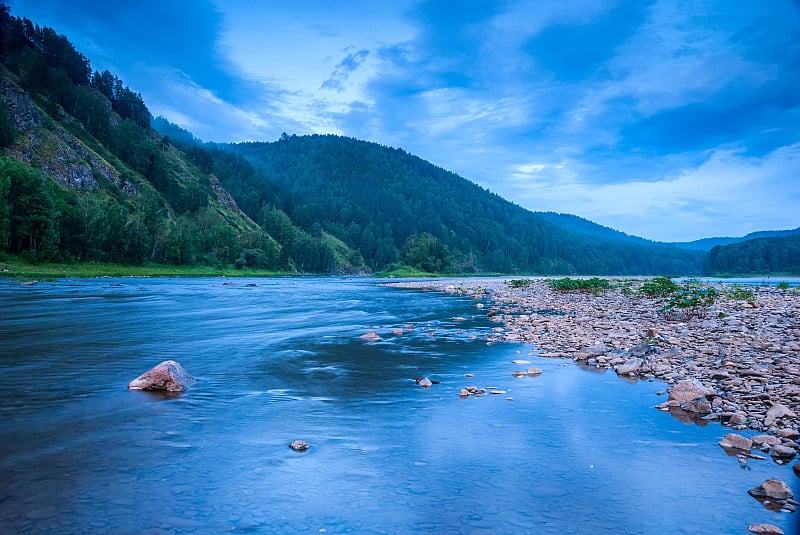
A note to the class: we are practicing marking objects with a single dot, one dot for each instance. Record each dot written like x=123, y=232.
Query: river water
x=573, y=451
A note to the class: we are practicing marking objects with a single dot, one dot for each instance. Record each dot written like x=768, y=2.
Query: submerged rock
x=168, y=376
x=765, y=529
x=299, y=445
x=424, y=382
x=371, y=336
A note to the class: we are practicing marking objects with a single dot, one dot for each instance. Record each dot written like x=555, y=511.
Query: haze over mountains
x=83, y=176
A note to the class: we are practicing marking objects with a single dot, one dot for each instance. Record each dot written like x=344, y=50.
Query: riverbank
x=16, y=269
x=744, y=354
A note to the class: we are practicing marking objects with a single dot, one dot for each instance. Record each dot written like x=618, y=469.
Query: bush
x=594, y=285
x=691, y=299
x=519, y=283
x=740, y=293
x=659, y=287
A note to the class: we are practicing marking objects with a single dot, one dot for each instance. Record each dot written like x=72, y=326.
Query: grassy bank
x=15, y=268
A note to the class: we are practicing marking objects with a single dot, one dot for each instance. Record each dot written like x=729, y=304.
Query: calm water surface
x=278, y=360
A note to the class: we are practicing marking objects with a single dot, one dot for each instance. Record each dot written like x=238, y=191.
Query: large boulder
x=688, y=391
x=732, y=441
x=168, y=376
x=772, y=489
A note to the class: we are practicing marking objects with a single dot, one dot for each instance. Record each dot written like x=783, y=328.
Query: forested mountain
x=391, y=207
x=84, y=177
x=579, y=225
x=706, y=244
x=777, y=255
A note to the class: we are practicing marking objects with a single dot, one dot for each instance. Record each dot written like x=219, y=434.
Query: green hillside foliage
x=778, y=255
x=84, y=177
x=374, y=198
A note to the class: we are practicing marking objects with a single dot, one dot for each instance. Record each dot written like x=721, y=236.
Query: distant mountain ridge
x=706, y=244
x=579, y=225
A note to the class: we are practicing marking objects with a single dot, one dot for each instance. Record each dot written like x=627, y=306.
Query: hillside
x=83, y=176
x=778, y=255
x=388, y=205
x=706, y=244
x=579, y=225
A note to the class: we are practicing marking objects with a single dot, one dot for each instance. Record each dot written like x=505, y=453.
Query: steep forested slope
x=375, y=199
x=84, y=177
x=778, y=255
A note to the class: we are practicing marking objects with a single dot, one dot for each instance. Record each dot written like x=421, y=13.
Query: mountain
x=778, y=255
x=83, y=176
x=388, y=205
x=579, y=225
x=706, y=244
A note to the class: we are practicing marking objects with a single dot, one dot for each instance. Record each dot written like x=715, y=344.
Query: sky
x=671, y=120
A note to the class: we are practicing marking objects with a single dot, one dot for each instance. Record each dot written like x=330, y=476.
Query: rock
x=778, y=410
x=519, y=373
x=533, y=372
x=688, y=391
x=769, y=440
x=397, y=332
x=596, y=350
x=771, y=489
x=424, y=382
x=699, y=405
x=464, y=393
x=629, y=367
x=168, y=376
x=299, y=445
x=796, y=468
x=738, y=418
x=371, y=336
x=782, y=452
x=732, y=441
x=791, y=434
x=764, y=529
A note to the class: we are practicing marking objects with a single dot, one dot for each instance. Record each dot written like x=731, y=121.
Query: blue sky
x=670, y=120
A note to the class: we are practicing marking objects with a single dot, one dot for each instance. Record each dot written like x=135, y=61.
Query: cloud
x=729, y=190
x=344, y=68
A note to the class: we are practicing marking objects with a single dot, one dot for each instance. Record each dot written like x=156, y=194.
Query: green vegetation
x=593, y=285
x=373, y=198
x=691, y=299
x=740, y=293
x=783, y=285
x=17, y=268
x=520, y=283
x=774, y=255
x=659, y=287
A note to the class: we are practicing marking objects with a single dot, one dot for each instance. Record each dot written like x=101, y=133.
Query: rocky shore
x=743, y=356
x=736, y=362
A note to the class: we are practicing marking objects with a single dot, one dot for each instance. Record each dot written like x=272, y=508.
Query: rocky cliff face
x=46, y=145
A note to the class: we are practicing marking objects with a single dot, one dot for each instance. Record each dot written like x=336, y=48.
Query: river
x=570, y=451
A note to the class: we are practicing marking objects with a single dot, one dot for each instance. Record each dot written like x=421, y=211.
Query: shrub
x=594, y=285
x=659, y=287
